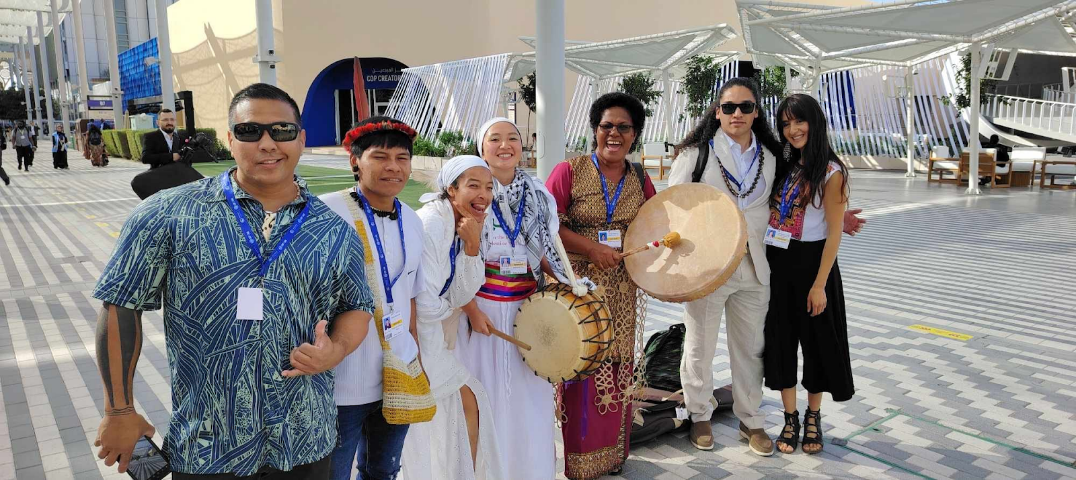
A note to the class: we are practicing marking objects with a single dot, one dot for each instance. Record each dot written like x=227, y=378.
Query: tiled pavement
x=1000, y=268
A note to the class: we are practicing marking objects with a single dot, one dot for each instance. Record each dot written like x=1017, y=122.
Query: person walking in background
x=59, y=148
x=3, y=146
x=95, y=143
x=23, y=139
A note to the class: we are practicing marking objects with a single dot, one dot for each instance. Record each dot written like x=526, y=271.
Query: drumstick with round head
x=670, y=240
x=509, y=338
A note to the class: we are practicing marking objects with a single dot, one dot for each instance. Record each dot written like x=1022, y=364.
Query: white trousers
x=744, y=300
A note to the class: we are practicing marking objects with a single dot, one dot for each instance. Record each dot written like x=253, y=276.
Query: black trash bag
x=171, y=175
x=662, y=355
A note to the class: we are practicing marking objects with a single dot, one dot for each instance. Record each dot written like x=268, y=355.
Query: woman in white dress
x=460, y=442
x=517, y=247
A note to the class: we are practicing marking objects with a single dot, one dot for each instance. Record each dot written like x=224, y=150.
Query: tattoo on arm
x=119, y=344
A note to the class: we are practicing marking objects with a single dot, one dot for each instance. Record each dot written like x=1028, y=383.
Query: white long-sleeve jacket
x=439, y=315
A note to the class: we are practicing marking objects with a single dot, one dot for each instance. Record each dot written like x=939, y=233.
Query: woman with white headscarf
x=460, y=442
x=517, y=246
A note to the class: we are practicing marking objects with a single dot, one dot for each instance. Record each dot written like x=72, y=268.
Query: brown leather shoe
x=702, y=436
x=757, y=438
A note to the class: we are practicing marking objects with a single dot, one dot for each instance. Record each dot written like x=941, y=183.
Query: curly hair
x=634, y=107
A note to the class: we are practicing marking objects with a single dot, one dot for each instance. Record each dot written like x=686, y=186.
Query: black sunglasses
x=622, y=128
x=278, y=131
x=745, y=107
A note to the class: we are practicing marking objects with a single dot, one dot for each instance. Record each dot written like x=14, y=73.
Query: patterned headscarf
x=535, y=228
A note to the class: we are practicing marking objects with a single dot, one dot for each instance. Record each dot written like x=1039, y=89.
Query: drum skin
x=713, y=240
x=568, y=335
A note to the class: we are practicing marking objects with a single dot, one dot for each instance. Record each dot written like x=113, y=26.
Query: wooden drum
x=569, y=335
x=713, y=240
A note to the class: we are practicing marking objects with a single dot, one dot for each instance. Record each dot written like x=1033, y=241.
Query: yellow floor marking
x=115, y=234
x=942, y=333
x=101, y=224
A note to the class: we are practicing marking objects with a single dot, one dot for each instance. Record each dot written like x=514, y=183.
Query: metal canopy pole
x=973, y=142
x=46, y=75
x=909, y=122
x=25, y=83
x=114, y=66
x=266, y=57
x=549, y=63
x=80, y=57
x=61, y=79
x=164, y=56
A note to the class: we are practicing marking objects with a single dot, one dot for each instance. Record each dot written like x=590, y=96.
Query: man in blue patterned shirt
x=248, y=266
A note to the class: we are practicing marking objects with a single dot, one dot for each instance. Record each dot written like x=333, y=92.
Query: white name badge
x=610, y=238
x=777, y=238
x=513, y=264
x=681, y=413
x=393, y=325
x=499, y=244
x=249, y=306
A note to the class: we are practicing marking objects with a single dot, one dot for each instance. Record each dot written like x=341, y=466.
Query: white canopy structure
x=908, y=33
x=460, y=95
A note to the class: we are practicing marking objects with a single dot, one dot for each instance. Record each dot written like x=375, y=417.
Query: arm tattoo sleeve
x=119, y=343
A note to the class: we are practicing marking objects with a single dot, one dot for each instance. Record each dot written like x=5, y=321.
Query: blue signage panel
x=99, y=103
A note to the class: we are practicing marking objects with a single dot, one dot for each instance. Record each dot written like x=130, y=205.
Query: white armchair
x=655, y=155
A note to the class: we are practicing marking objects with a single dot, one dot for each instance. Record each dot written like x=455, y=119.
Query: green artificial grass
x=322, y=180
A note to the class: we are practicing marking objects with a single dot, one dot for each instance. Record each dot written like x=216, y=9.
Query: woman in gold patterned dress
x=597, y=196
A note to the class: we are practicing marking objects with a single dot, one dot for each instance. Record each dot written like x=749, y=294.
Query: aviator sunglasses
x=278, y=131
x=745, y=107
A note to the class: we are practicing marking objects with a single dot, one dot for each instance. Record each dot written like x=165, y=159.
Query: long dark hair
x=816, y=153
x=709, y=124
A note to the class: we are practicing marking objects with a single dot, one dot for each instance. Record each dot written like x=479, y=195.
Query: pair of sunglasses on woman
x=278, y=131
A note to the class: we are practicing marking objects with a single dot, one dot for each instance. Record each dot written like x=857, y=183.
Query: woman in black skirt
x=810, y=195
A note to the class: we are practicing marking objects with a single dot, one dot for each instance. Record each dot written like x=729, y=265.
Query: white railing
x=1054, y=117
x=1055, y=93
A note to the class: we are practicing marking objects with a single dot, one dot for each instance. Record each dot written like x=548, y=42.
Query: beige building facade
x=213, y=42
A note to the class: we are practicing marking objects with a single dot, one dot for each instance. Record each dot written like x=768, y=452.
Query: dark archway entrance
x=329, y=109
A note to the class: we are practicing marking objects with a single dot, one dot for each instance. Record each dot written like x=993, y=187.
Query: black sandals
x=812, y=430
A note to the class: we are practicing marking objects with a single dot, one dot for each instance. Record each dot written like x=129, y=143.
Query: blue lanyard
x=381, y=250
x=452, y=252
x=248, y=233
x=519, y=217
x=610, y=206
x=739, y=183
x=787, y=200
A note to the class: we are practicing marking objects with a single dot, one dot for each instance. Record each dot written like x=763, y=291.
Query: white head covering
x=489, y=124
x=452, y=170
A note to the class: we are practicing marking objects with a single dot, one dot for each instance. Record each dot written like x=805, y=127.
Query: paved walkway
x=996, y=401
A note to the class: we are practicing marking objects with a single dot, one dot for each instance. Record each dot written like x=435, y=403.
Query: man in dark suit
x=162, y=147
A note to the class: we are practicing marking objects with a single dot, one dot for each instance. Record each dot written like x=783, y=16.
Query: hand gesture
x=312, y=359
x=852, y=223
x=816, y=301
x=117, y=436
x=480, y=323
x=604, y=256
x=469, y=228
